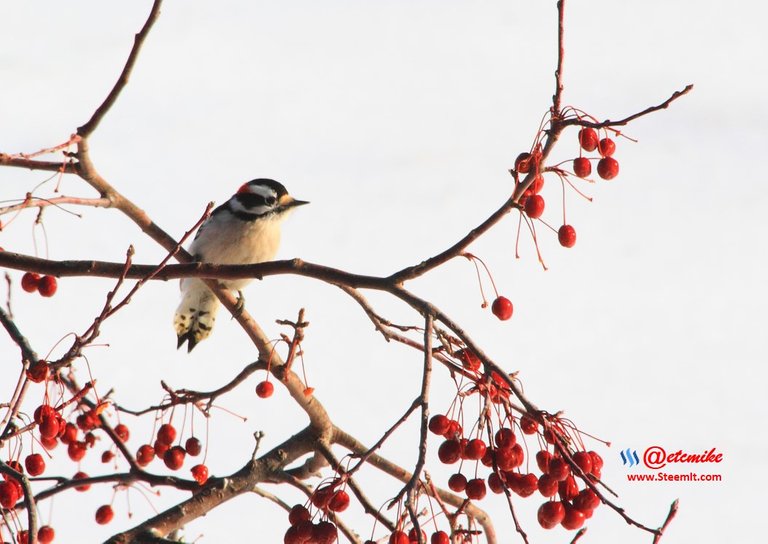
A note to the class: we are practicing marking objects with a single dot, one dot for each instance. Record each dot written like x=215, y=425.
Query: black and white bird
x=243, y=230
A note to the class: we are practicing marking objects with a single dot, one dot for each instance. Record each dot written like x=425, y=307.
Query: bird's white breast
x=225, y=239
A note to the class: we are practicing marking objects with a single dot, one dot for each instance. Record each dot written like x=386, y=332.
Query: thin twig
x=626, y=120
x=411, y=488
x=88, y=128
x=39, y=202
x=670, y=516
x=557, y=97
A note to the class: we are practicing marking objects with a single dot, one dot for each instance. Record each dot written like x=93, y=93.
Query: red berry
x=528, y=425
x=292, y=536
x=81, y=476
x=174, y=457
x=523, y=163
x=537, y=185
x=449, y=451
x=547, y=485
x=69, y=434
x=265, y=389
x=582, y=167
x=586, y=500
x=47, y=286
x=543, y=458
x=323, y=533
x=104, y=514
x=583, y=460
x=524, y=485
x=505, y=438
x=597, y=462
x=606, y=147
x=495, y=483
x=298, y=513
x=454, y=429
x=476, y=489
x=399, y=537
x=46, y=534
x=49, y=427
x=15, y=465
x=145, y=455
x=22, y=537
x=566, y=235
x=122, y=432
x=322, y=496
x=200, y=474
x=76, y=450
x=550, y=514
x=534, y=206
x=193, y=446
x=588, y=139
x=440, y=537
x=439, y=424
x=339, y=501
x=88, y=421
x=573, y=519
x=304, y=531
x=38, y=371
x=42, y=411
x=506, y=459
x=107, y=456
x=568, y=489
x=413, y=536
x=475, y=449
x=559, y=469
x=502, y=308
x=608, y=168
x=160, y=448
x=166, y=434
x=49, y=443
x=9, y=494
x=457, y=482
x=29, y=281
x=489, y=458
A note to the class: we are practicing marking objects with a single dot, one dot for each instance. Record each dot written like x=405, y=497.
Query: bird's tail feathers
x=195, y=315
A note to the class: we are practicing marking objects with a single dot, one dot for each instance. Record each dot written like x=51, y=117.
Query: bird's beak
x=289, y=202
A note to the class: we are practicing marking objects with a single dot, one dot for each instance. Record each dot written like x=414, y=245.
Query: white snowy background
x=398, y=121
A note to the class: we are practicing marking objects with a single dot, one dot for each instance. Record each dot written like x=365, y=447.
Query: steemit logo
x=656, y=457
x=629, y=457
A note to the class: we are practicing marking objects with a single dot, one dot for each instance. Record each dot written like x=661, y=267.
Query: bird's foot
x=239, y=305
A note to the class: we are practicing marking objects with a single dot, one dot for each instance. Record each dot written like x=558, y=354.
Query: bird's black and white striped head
x=261, y=198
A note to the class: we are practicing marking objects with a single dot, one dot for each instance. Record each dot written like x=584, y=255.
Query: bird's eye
x=271, y=201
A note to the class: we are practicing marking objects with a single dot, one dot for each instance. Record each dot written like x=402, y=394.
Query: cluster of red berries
x=495, y=389
x=412, y=537
x=505, y=456
x=330, y=497
x=79, y=435
x=53, y=428
x=574, y=506
x=11, y=492
x=533, y=203
x=45, y=285
x=45, y=534
x=173, y=456
x=10, y=489
x=607, y=166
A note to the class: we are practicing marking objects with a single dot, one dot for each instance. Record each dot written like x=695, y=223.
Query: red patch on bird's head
x=244, y=188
